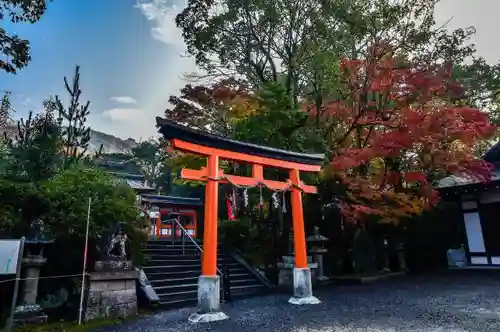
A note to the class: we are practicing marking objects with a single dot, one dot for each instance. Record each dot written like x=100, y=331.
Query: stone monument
x=112, y=289
x=29, y=311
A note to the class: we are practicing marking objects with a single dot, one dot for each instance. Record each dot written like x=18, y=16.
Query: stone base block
x=304, y=300
x=112, y=265
x=208, y=317
x=302, y=287
x=29, y=314
x=208, y=300
x=112, y=295
x=285, y=277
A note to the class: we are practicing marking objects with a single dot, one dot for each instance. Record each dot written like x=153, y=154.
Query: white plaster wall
x=490, y=197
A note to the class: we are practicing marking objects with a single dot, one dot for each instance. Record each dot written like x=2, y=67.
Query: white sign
x=9, y=256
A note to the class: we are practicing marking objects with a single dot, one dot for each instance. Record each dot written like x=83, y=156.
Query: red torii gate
x=215, y=148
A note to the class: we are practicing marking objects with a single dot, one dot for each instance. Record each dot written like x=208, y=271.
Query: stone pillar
x=321, y=273
x=401, y=258
x=30, y=290
x=387, y=263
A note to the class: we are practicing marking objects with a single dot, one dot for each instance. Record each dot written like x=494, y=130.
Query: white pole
x=80, y=311
x=10, y=321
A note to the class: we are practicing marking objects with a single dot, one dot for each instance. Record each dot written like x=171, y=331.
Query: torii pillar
x=215, y=148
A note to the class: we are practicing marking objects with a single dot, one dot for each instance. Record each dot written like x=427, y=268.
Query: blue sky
x=129, y=53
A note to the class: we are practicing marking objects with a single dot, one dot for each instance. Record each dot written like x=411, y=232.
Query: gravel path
x=417, y=304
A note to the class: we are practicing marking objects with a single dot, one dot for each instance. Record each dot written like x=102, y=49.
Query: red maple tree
x=401, y=131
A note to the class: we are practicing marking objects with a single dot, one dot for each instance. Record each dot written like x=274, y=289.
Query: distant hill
x=110, y=143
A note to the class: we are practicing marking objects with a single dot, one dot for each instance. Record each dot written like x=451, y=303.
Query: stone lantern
x=317, y=249
x=30, y=311
x=154, y=215
x=285, y=277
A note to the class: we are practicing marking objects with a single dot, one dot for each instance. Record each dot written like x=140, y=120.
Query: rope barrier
x=258, y=184
x=47, y=277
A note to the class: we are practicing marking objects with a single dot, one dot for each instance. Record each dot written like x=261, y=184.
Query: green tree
x=481, y=82
x=75, y=134
x=34, y=153
x=5, y=111
x=13, y=48
x=150, y=157
x=298, y=43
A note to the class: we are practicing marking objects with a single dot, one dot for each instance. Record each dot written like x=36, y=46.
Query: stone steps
x=174, y=275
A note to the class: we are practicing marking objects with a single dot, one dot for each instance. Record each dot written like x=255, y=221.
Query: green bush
x=19, y=202
x=243, y=236
x=68, y=194
x=111, y=202
x=236, y=234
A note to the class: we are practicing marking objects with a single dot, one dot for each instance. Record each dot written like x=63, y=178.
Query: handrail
x=184, y=231
x=236, y=255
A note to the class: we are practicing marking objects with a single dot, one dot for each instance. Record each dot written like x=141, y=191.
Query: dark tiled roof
x=160, y=199
x=170, y=130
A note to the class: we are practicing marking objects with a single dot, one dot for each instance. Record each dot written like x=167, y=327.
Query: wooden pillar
x=299, y=236
x=158, y=225
x=209, y=261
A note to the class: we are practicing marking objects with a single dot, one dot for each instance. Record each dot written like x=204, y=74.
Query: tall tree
x=402, y=132
x=15, y=49
x=5, y=110
x=297, y=43
x=481, y=82
x=216, y=108
x=34, y=152
x=75, y=134
x=150, y=156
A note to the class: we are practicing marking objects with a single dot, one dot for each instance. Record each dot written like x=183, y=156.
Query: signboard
x=9, y=256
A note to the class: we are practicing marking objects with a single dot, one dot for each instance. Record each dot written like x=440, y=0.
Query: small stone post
x=387, y=263
x=401, y=258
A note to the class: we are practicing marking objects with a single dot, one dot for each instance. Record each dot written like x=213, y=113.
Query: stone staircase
x=173, y=273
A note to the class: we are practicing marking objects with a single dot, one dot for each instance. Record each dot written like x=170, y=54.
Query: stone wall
x=112, y=294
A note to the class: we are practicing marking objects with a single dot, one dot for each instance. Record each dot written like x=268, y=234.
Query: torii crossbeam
x=215, y=148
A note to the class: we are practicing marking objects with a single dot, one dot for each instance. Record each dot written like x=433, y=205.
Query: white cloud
x=162, y=14
x=136, y=123
x=124, y=100
x=124, y=114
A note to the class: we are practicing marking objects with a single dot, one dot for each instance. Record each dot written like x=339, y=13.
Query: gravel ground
x=463, y=303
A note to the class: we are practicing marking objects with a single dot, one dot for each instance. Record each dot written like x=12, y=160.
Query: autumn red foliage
x=212, y=108
x=400, y=132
